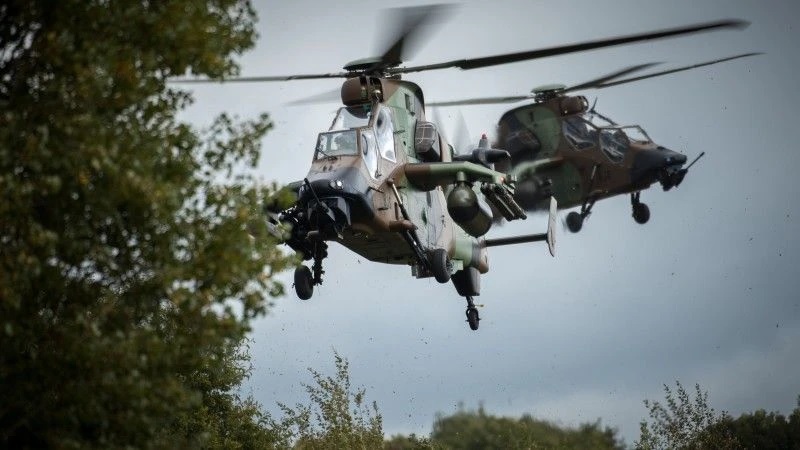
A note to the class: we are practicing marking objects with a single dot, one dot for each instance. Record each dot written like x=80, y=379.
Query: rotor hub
x=373, y=66
x=548, y=91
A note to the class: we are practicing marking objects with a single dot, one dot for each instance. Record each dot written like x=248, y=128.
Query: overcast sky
x=706, y=292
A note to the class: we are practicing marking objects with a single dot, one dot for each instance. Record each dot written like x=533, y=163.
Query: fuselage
x=584, y=155
x=358, y=173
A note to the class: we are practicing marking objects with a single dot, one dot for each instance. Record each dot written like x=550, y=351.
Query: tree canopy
x=337, y=416
x=480, y=430
x=761, y=429
x=683, y=422
x=134, y=255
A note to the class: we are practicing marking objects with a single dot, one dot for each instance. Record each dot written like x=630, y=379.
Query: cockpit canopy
x=583, y=132
x=362, y=131
x=337, y=143
x=351, y=117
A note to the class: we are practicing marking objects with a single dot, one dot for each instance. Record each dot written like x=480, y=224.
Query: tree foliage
x=336, y=417
x=762, y=430
x=479, y=430
x=133, y=256
x=411, y=442
x=684, y=423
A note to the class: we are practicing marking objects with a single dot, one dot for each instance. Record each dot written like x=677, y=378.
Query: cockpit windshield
x=351, y=117
x=579, y=133
x=637, y=134
x=634, y=132
x=599, y=120
x=614, y=143
x=371, y=139
x=592, y=130
x=336, y=143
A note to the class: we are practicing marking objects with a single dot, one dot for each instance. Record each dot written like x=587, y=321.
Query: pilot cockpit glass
x=336, y=143
x=579, y=133
x=598, y=120
x=384, y=129
x=637, y=134
x=369, y=149
x=352, y=117
x=614, y=143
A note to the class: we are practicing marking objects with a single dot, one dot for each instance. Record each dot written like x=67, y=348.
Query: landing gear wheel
x=641, y=213
x=440, y=265
x=303, y=282
x=574, y=222
x=473, y=318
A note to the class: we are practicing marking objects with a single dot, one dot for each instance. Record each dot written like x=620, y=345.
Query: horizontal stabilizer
x=549, y=236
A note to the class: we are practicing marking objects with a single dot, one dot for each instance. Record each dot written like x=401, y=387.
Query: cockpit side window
x=614, y=143
x=370, y=151
x=384, y=129
x=579, y=134
x=336, y=143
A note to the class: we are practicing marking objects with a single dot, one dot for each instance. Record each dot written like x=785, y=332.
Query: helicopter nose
x=672, y=158
x=337, y=197
x=662, y=158
x=341, y=182
x=662, y=165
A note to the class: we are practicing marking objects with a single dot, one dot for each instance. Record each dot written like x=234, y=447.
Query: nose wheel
x=303, y=282
x=304, y=278
x=473, y=317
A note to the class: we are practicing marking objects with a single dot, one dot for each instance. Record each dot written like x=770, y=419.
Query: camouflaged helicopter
x=560, y=146
x=385, y=183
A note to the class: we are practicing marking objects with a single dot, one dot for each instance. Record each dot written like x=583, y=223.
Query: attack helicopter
x=561, y=146
x=386, y=184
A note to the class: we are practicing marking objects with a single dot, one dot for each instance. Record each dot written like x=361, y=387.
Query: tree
x=133, y=254
x=684, y=423
x=225, y=420
x=336, y=417
x=763, y=430
x=479, y=430
x=411, y=442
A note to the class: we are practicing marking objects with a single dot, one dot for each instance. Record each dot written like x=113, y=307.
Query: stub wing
x=426, y=176
x=496, y=187
x=549, y=236
x=529, y=168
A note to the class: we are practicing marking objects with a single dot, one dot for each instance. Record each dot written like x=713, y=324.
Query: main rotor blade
x=516, y=98
x=481, y=101
x=597, y=83
x=608, y=77
x=332, y=96
x=666, y=72
x=410, y=23
x=475, y=63
x=262, y=79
